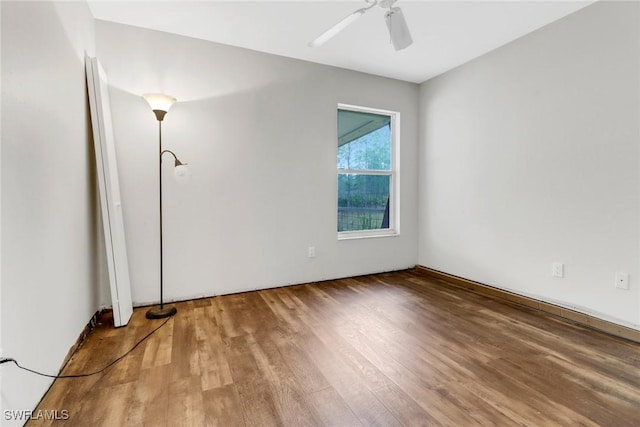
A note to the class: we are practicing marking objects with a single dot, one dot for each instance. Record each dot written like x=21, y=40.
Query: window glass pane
x=364, y=141
x=363, y=202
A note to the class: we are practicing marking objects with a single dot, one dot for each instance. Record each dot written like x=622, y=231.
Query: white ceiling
x=446, y=33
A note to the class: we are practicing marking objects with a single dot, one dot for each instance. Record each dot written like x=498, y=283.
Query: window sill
x=356, y=235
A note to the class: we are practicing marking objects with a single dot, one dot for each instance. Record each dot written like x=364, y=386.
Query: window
x=367, y=172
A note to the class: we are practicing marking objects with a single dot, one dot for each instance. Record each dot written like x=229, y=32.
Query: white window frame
x=393, y=173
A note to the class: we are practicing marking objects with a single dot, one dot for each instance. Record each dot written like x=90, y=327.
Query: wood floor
x=381, y=350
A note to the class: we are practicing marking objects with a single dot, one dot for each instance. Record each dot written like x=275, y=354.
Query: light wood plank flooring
x=381, y=350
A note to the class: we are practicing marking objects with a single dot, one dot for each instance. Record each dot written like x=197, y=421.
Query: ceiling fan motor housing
x=385, y=4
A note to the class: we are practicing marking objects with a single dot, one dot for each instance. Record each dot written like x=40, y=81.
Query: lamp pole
x=160, y=208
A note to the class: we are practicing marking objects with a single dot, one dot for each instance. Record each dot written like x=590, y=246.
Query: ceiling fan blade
x=398, y=30
x=331, y=32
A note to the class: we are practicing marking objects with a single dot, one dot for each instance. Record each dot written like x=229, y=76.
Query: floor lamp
x=160, y=104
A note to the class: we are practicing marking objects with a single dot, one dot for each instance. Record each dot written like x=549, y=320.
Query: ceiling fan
x=398, y=30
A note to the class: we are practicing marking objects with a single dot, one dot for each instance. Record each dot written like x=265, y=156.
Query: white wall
x=529, y=155
x=259, y=133
x=49, y=215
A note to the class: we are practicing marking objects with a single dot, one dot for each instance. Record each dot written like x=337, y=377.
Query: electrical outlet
x=311, y=253
x=557, y=269
x=622, y=280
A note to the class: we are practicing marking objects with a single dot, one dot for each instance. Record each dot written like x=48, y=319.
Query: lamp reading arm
x=177, y=161
x=180, y=170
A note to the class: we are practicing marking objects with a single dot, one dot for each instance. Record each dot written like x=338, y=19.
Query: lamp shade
x=182, y=173
x=159, y=101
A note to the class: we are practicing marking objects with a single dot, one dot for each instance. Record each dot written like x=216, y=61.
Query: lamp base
x=161, y=313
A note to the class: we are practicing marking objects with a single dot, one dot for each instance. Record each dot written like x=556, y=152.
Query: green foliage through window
x=371, y=151
x=362, y=200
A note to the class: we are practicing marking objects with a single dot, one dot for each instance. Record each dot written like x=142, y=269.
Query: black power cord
x=8, y=359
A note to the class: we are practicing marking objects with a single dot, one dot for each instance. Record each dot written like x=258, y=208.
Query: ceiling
x=446, y=33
